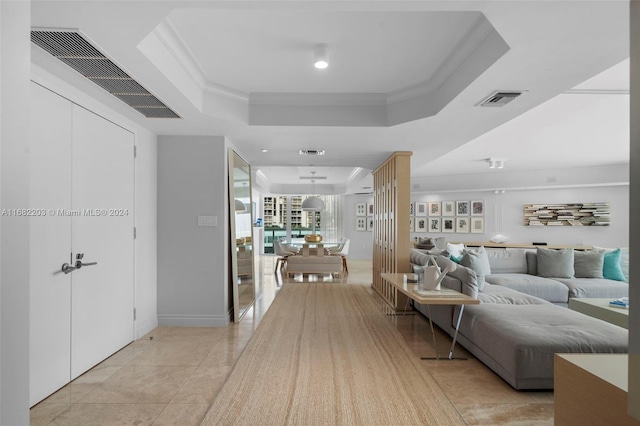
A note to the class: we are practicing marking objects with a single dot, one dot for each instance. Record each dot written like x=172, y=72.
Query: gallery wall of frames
x=460, y=216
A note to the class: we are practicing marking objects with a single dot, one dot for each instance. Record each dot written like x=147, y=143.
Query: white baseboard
x=193, y=320
x=143, y=327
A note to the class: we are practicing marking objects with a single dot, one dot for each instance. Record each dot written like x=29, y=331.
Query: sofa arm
x=461, y=279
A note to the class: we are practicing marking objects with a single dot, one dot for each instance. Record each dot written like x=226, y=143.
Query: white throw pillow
x=455, y=250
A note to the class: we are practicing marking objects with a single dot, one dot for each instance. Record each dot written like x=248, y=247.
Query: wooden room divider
x=391, y=234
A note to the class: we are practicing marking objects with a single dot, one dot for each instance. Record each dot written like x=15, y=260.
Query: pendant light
x=313, y=203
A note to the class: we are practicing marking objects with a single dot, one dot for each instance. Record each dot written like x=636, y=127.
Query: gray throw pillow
x=555, y=263
x=532, y=263
x=474, y=261
x=484, y=256
x=588, y=263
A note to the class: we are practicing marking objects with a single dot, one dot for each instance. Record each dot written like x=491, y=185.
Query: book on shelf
x=445, y=292
x=622, y=303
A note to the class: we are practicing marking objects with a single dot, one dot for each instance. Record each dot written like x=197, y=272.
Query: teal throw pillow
x=456, y=259
x=612, y=269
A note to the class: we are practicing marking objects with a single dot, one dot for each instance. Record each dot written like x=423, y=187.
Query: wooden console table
x=591, y=389
x=524, y=245
x=445, y=296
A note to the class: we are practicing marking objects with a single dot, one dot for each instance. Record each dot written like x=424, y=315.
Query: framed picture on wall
x=462, y=208
x=434, y=208
x=369, y=209
x=361, y=209
x=477, y=208
x=448, y=208
x=421, y=224
x=421, y=209
x=448, y=224
x=412, y=225
x=361, y=223
x=434, y=224
x=462, y=225
x=477, y=225
x=369, y=224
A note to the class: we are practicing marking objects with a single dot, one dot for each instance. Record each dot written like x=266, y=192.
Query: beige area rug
x=325, y=353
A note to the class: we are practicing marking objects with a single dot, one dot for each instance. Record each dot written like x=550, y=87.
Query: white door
x=103, y=189
x=50, y=243
x=81, y=199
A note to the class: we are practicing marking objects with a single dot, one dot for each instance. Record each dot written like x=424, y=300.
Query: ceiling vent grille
x=311, y=152
x=74, y=50
x=499, y=99
x=313, y=177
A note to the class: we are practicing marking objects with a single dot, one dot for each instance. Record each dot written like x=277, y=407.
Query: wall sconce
x=321, y=56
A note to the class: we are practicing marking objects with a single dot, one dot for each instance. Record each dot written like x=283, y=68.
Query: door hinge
x=135, y=232
x=134, y=314
x=135, y=151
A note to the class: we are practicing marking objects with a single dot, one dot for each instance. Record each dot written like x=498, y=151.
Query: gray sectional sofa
x=522, y=321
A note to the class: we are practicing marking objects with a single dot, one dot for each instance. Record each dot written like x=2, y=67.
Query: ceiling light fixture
x=313, y=203
x=321, y=56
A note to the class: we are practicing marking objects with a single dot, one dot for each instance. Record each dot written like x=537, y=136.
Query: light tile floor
x=171, y=375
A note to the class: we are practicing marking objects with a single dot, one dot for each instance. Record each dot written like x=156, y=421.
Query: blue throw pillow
x=456, y=259
x=611, y=269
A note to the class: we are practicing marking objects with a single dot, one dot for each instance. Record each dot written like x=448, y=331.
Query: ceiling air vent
x=74, y=50
x=313, y=177
x=499, y=99
x=311, y=152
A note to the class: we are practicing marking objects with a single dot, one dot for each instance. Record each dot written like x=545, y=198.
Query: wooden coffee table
x=445, y=296
x=599, y=308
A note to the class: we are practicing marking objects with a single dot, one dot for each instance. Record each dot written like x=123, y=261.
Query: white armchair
x=342, y=250
x=282, y=254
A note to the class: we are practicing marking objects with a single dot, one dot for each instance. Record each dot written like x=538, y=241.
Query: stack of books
x=622, y=303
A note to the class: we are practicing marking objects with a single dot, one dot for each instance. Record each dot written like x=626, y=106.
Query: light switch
x=207, y=220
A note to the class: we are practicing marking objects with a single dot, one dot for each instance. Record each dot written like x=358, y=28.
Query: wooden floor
x=175, y=377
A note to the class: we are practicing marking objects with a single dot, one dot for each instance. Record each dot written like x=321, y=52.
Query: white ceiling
x=423, y=64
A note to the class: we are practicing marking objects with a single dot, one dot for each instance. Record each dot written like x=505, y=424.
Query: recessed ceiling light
x=264, y=150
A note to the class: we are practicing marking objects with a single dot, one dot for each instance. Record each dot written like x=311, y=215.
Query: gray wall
x=14, y=180
x=361, y=245
x=192, y=260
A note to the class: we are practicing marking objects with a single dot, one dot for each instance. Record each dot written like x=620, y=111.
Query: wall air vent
x=499, y=99
x=74, y=50
x=311, y=152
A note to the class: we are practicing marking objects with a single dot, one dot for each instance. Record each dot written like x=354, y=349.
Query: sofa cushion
x=478, y=262
x=588, y=263
x=519, y=342
x=507, y=261
x=461, y=279
x=611, y=268
x=544, y=288
x=532, y=263
x=504, y=295
x=555, y=263
x=595, y=287
x=484, y=258
x=419, y=258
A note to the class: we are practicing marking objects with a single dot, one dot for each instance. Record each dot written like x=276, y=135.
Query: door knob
x=66, y=268
x=79, y=264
